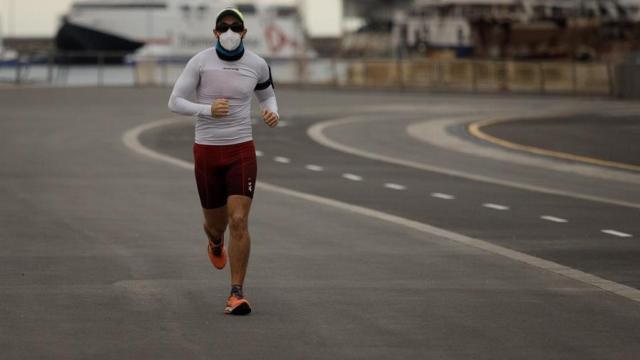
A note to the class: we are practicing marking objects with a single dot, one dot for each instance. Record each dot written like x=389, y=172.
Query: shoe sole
x=242, y=309
x=212, y=257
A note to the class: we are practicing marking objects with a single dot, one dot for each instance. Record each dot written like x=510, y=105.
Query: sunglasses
x=235, y=27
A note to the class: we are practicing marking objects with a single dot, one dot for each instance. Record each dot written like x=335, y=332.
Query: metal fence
x=109, y=69
x=70, y=69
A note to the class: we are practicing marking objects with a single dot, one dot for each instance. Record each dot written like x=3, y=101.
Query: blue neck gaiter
x=229, y=55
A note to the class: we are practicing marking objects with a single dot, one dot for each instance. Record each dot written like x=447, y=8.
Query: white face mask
x=230, y=40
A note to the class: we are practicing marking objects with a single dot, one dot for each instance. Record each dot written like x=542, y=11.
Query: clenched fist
x=270, y=118
x=220, y=108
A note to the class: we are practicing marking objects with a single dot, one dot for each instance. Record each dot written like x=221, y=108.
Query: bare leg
x=215, y=223
x=240, y=245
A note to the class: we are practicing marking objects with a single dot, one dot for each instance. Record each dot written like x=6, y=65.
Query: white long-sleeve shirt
x=210, y=78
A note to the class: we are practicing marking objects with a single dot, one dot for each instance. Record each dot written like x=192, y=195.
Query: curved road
x=611, y=138
x=102, y=254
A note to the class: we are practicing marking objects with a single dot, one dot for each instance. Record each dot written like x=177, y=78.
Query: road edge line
x=316, y=133
x=131, y=140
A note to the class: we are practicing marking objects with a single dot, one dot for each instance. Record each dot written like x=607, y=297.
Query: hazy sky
x=40, y=17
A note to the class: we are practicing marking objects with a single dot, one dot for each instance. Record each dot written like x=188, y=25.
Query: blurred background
x=534, y=46
x=450, y=179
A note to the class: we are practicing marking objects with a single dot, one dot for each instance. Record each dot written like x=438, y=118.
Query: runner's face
x=229, y=20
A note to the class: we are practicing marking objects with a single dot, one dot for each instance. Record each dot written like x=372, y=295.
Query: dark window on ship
x=285, y=11
x=88, y=6
x=603, y=10
x=558, y=12
x=247, y=9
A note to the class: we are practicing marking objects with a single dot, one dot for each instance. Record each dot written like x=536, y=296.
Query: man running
x=223, y=79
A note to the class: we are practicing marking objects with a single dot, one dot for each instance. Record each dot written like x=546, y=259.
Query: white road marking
x=316, y=132
x=616, y=233
x=553, y=219
x=282, y=160
x=132, y=141
x=282, y=123
x=352, y=177
x=443, y=196
x=259, y=153
x=496, y=207
x=393, y=186
x=314, y=167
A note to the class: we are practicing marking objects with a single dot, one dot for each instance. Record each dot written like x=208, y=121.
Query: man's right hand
x=220, y=108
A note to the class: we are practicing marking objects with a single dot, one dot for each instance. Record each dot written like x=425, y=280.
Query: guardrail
x=117, y=69
x=53, y=68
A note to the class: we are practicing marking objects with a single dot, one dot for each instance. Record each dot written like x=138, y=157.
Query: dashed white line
x=317, y=133
x=352, y=177
x=259, y=153
x=281, y=159
x=131, y=140
x=443, y=196
x=314, y=167
x=282, y=123
x=616, y=233
x=393, y=186
x=553, y=219
x=496, y=206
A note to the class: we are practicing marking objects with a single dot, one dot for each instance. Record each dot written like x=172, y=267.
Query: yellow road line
x=475, y=130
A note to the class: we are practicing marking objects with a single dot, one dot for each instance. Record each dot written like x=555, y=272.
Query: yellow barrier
x=146, y=73
x=513, y=76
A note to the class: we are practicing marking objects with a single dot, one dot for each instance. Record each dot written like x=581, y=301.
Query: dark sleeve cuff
x=266, y=84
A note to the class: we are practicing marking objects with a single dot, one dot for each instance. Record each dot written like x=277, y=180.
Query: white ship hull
x=175, y=28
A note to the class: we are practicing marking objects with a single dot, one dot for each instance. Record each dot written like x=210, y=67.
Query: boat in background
x=177, y=29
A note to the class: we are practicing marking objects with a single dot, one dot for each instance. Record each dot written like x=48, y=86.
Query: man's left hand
x=270, y=118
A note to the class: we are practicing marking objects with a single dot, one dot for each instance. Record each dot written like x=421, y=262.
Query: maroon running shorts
x=224, y=170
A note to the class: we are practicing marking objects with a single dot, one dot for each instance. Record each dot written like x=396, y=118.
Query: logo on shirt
x=230, y=68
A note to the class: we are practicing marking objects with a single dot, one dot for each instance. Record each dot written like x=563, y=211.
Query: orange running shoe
x=237, y=306
x=217, y=255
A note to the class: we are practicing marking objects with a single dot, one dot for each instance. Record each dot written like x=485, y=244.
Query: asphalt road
x=611, y=136
x=102, y=254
